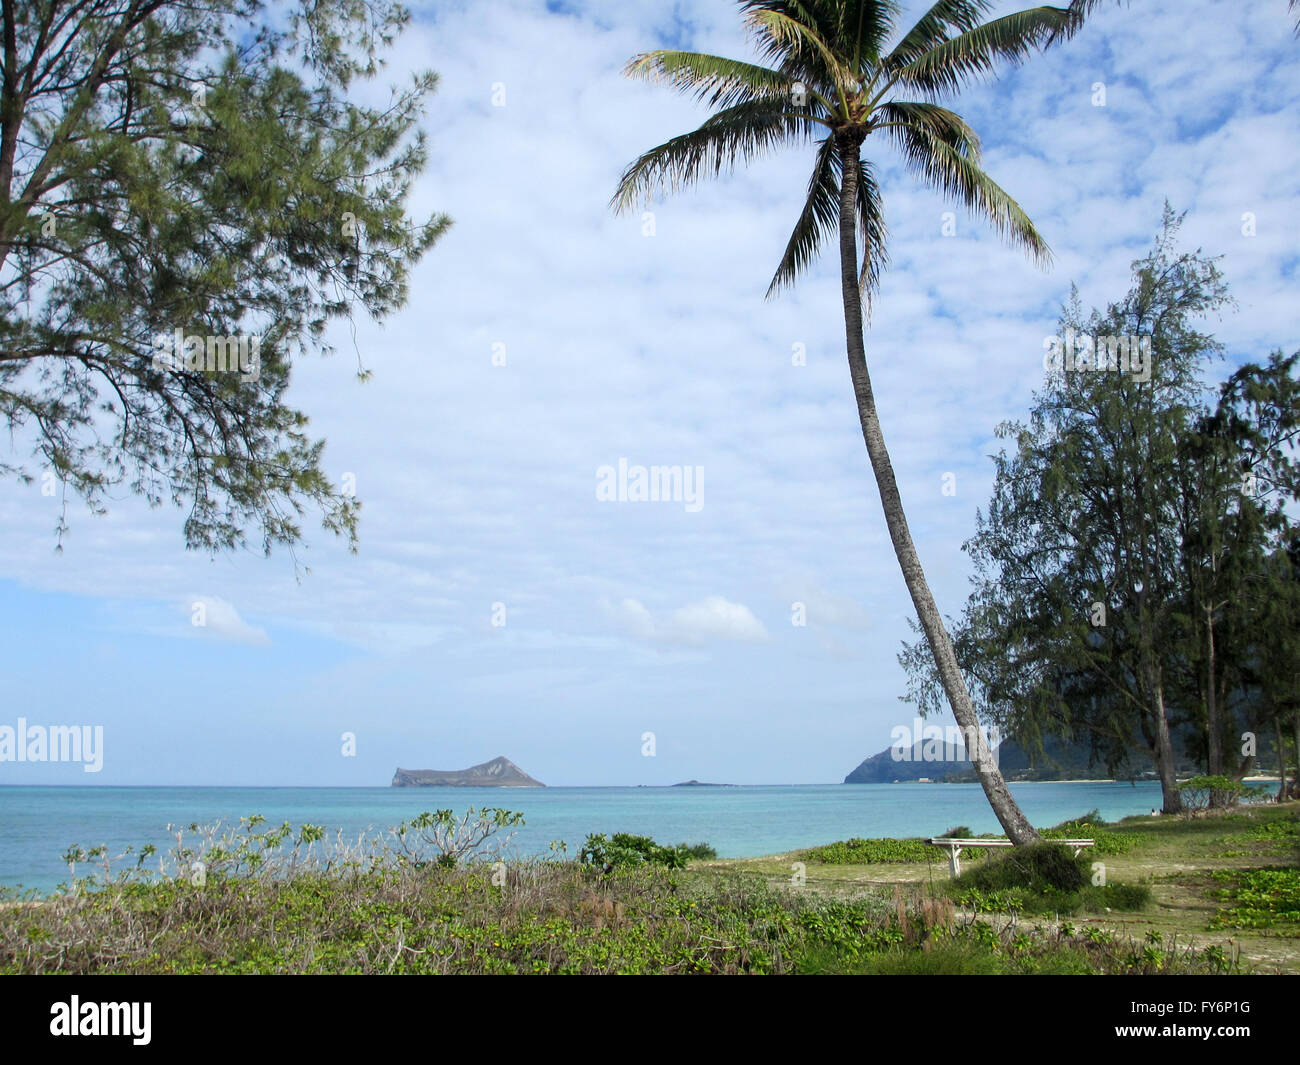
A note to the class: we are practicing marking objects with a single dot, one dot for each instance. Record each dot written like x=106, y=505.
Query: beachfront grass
x=1222, y=898
x=1227, y=880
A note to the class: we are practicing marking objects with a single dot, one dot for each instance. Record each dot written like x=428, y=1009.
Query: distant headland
x=498, y=773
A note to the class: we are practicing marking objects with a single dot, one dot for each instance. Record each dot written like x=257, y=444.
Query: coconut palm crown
x=831, y=79
x=833, y=73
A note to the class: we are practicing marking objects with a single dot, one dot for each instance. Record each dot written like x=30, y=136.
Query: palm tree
x=831, y=80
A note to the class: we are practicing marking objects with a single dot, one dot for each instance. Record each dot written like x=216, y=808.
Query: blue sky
x=478, y=480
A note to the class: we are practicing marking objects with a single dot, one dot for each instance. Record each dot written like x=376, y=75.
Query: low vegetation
x=542, y=917
x=1045, y=878
x=1203, y=792
x=870, y=852
x=626, y=851
x=1106, y=841
x=1261, y=898
x=253, y=899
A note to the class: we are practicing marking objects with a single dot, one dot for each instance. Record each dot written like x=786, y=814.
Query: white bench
x=956, y=846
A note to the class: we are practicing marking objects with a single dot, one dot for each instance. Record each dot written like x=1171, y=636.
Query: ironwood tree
x=188, y=198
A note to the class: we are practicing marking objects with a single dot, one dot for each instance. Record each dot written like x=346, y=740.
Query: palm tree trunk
x=1014, y=822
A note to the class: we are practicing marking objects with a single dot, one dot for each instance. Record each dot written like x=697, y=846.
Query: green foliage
x=1039, y=867
x=217, y=852
x=1261, y=898
x=626, y=851
x=950, y=959
x=1124, y=898
x=198, y=168
x=443, y=837
x=1128, y=898
x=386, y=914
x=978, y=948
x=1090, y=614
x=819, y=54
x=1281, y=836
x=896, y=851
x=871, y=852
x=279, y=899
x=1044, y=878
x=1200, y=793
x=1091, y=826
x=1092, y=817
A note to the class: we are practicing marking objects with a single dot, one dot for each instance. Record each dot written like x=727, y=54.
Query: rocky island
x=498, y=773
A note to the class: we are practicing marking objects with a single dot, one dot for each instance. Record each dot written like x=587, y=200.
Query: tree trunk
x=1214, y=728
x=1164, y=752
x=1014, y=822
x=1295, y=728
x=1281, y=757
x=1214, y=737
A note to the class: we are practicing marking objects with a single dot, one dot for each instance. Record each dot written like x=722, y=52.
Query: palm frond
x=739, y=132
x=819, y=222
x=820, y=215
x=949, y=166
x=944, y=67
x=861, y=28
x=937, y=25
x=711, y=79
x=873, y=232
x=797, y=44
x=946, y=125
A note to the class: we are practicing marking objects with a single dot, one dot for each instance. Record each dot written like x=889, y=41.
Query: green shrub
x=1127, y=898
x=1200, y=793
x=1092, y=819
x=1042, y=878
x=626, y=851
x=1039, y=867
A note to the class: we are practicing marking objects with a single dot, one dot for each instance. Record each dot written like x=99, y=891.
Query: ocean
x=39, y=824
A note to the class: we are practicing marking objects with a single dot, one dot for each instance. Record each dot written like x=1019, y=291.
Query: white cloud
x=713, y=618
x=215, y=618
x=476, y=481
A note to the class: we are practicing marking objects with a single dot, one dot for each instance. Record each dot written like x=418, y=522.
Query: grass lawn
x=1198, y=870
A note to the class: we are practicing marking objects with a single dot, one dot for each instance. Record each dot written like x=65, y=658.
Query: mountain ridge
x=1060, y=760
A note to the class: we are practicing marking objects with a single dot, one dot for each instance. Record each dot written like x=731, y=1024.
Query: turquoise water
x=37, y=825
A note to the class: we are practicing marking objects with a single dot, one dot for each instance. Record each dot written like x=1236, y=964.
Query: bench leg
x=954, y=862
